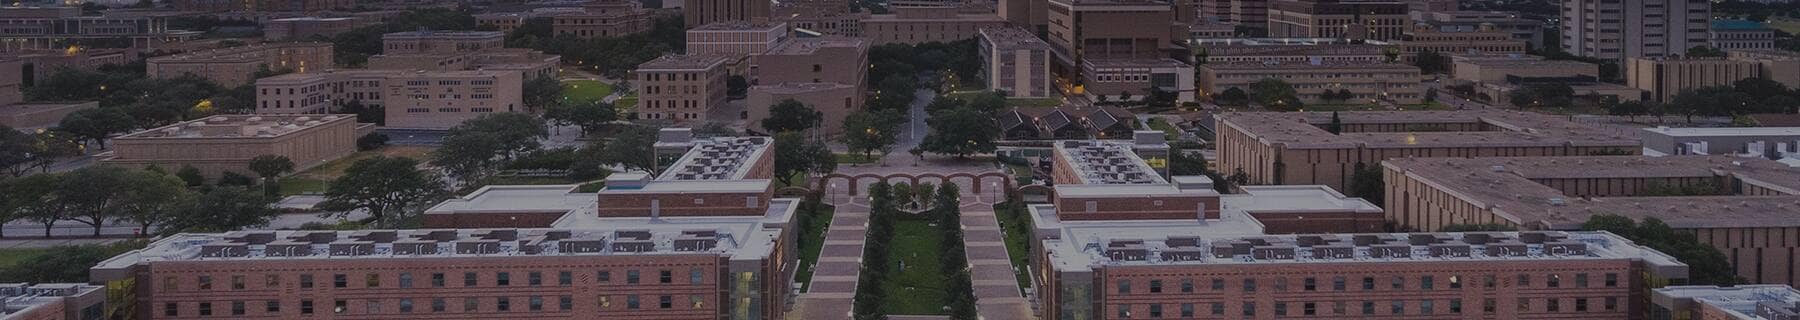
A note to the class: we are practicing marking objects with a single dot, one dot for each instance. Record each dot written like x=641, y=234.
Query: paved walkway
x=833, y=285
x=996, y=288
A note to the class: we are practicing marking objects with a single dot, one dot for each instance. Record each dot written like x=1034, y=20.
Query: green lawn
x=814, y=233
x=1015, y=222
x=856, y=158
x=1790, y=26
x=1021, y=173
x=919, y=288
x=1170, y=132
x=314, y=180
x=298, y=185
x=585, y=90
x=9, y=257
x=626, y=103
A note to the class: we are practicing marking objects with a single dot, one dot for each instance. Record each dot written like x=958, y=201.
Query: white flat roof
x=511, y=198
x=1723, y=132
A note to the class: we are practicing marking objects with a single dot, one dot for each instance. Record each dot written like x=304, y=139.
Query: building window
x=631, y=276
x=696, y=276
x=665, y=276
x=1425, y=283
x=340, y=281
x=1552, y=305
x=306, y=307
x=237, y=282
x=1553, y=281
x=1368, y=283
x=339, y=306
x=437, y=305
x=1524, y=305
x=470, y=278
x=1249, y=309
x=631, y=301
x=502, y=279
x=1612, y=280
x=535, y=303
x=1524, y=281
x=1124, y=311
x=665, y=302
x=1280, y=309
x=1124, y=286
x=1249, y=285
x=565, y=303
x=437, y=280
x=237, y=308
x=171, y=310
x=1310, y=284
x=1397, y=307
x=471, y=305
x=1218, y=284
x=1581, y=280
x=1187, y=285
x=205, y=282
x=406, y=305
x=534, y=278
x=1155, y=286
x=272, y=281
x=1425, y=307
x=502, y=304
x=565, y=278
x=272, y=306
x=605, y=276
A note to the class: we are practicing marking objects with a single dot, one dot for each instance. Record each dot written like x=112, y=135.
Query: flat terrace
x=1107, y=162
x=239, y=126
x=237, y=54
x=1762, y=301
x=684, y=62
x=1073, y=237
x=1510, y=188
x=807, y=46
x=718, y=159
x=1425, y=129
x=1356, y=248
x=1012, y=38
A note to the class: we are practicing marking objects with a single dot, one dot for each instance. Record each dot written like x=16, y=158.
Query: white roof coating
x=580, y=232
x=517, y=198
x=1107, y=162
x=721, y=158
x=1725, y=132
x=1741, y=302
x=1084, y=245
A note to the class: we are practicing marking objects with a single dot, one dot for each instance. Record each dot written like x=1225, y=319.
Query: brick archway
x=855, y=181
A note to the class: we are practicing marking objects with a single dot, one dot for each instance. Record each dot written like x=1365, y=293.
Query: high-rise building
x=682, y=88
x=701, y=12
x=1014, y=61
x=1361, y=20
x=1619, y=29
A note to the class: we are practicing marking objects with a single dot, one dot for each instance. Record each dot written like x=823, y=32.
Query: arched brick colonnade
x=855, y=181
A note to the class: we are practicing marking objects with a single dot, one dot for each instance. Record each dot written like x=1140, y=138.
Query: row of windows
x=437, y=280
x=439, y=304
x=1611, y=280
x=1368, y=307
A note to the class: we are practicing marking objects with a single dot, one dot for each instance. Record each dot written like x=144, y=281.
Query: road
x=916, y=129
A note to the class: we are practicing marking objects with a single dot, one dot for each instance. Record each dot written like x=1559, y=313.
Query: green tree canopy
x=97, y=124
x=1274, y=94
x=794, y=155
x=388, y=188
x=961, y=132
x=869, y=131
x=791, y=116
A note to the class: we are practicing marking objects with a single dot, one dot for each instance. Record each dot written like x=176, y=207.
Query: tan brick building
x=681, y=88
x=226, y=143
x=827, y=74
x=921, y=25
x=1137, y=78
x=262, y=5
x=604, y=19
x=1741, y=302
x=17, y=114
x=53, y=28
x=1779, y=65
x=1297, y=50
x=1369, y=81
x=701, y=12
x=461, y=50
x=1665, y=78
x=1016, y=62
x=736, y=38
x=1488, y=39
x=435, y=100
x=1498, y=76
x=1749, y=214
x=308, y=27
x=1294, y=147
x=1131, y=29
x=236, y=66
x=1366, y=20
x=1135, y=272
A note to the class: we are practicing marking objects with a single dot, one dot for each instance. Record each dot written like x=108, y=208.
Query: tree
x=870, y=131
x=737, y=86
x=95, y=194
x=382, y=186
x=1337, y=124
x=371, y=141
x=271, y=166
x=791, y=116
x=1234, y=96
x=541, y=92
x=1366, y=183
x=96, y=124
x=16, y=149
x=796, y=156
x=154, y=198
x=365, y=113
x=1706, y=265
x=961, y=132
x=632, y=149
x=224, y=209
x=35, y=198
x=1430, y=62
x=65, y=264
x=1703, y=51
x=1390, y=55
x=1275, y=94
x=475, y=148
x=191, y=176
